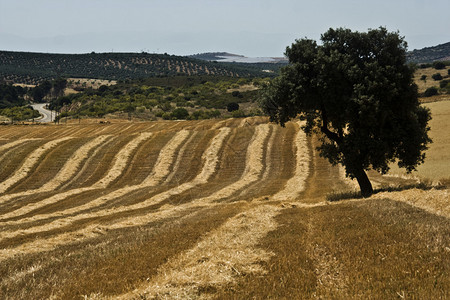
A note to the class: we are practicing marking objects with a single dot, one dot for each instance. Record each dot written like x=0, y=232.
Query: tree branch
x=330, y=134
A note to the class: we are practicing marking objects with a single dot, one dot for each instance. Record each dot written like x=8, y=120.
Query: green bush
x=232, y=106
x=443, y=83
x=180, y=114
x=439, y=65
x=423, y=77
x=437, y=76
x=431, y=92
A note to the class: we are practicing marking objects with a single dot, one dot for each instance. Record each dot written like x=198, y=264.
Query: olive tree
x=357, y=92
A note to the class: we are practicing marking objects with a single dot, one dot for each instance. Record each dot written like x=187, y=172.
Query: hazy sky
x=247, y=27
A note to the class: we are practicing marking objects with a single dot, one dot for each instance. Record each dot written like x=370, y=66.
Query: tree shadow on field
x=425, y=186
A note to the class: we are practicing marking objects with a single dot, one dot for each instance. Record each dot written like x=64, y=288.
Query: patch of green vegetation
x=167, y=98
x=19, y=113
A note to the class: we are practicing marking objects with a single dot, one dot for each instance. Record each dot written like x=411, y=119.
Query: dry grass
x=437, y=162
x=221, y=256
x=429, y=82
x=374, y=249
x=205, y=209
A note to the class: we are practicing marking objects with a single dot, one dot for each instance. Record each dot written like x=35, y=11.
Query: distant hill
x=235, y=58
x=32, y=68
x=430, y=54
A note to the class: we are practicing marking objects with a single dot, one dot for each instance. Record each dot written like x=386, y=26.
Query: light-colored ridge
x=296, y=184
x=160, y=170
x=218, y=259
x=121, y=160
x=66, y=172
x=210, y=158
x=29, y=163
x=118, y=167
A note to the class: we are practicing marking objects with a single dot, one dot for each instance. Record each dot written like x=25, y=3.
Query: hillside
x=227, y=209
x=430, y=54
x=32, y=68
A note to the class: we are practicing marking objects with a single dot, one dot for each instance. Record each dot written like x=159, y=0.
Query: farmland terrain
x=231, y=208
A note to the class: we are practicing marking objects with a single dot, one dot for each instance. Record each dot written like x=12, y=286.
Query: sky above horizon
x=182, y=27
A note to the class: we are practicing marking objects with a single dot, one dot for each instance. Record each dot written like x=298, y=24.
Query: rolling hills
x=232, y=208
x=32, y=68
x=430, y=54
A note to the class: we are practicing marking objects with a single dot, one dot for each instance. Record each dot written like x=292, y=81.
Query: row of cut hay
x=119, y=164
x=28, y=164
x=253, y=171
x=49, y=168
x=210, y=161
x=13, y=157
x=160, y=170
x=254, y=166
x=250, y=175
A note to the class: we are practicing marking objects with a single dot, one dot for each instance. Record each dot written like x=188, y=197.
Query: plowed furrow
x=28, y=164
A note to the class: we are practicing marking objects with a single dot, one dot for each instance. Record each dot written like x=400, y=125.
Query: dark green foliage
x=358, y=92
x=443, y=83
x=439, y=65
x=431, y=92
x=32, y=68
x=38, y=94
x=232, y=106
x=180, y=114
x=437, y=76
x=11, y=96
x=423, y=77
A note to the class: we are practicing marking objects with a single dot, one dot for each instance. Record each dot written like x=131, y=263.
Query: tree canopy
x=357, y=92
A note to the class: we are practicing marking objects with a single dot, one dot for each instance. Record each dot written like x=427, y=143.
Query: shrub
x=180, y=113
x=232, y=106
x=437, y=76
x=431, y=92
x=443, y=83
x=167, y=116
x=439, y=65
x=424, y=77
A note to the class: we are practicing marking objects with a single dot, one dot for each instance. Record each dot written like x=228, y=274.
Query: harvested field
x=205, y=209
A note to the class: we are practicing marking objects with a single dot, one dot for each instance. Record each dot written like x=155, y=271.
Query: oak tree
x=356, y=90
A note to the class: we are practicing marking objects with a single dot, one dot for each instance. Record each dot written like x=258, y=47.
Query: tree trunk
x=364, y=183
